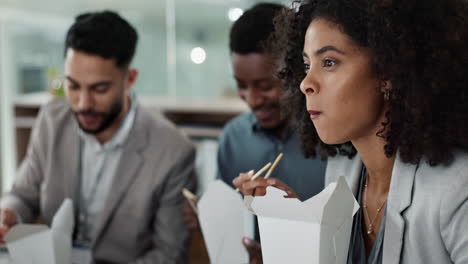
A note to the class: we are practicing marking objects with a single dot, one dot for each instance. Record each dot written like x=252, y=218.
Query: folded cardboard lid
x=331, y=206
x=64, y=219
x=23, y=230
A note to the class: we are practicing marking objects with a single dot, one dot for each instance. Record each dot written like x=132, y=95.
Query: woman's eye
x=327, y=63
x=306, y=67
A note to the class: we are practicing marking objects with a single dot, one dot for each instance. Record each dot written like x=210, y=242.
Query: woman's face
x=342, y=94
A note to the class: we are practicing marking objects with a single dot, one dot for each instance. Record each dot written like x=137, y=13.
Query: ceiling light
x=198, y=55
x=235, y=13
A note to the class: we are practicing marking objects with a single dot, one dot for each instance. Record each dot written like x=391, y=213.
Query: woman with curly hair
x=382, y=87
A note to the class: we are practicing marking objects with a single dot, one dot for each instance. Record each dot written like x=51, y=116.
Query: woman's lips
x=314, y=114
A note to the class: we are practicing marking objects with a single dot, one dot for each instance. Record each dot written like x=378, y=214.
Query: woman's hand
x=258, y=186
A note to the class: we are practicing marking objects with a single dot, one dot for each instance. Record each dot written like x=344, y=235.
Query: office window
x=182, y=51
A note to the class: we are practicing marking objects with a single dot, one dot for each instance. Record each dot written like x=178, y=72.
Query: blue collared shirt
x=244, y=146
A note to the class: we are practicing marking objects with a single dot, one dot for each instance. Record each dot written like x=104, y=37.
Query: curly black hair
x=105, y=34
x=420, y=46
x=253, y=28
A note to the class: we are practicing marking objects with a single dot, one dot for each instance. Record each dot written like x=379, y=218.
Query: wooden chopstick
x=191, y=197
x=272, y=168
x=188, y=194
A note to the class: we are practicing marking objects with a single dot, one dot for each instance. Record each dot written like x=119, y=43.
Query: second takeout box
x=221, y=215
x=40, y=244
x=316, y=231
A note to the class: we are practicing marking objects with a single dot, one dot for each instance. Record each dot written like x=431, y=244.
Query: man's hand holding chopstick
x=190, y=211
x=190, y=216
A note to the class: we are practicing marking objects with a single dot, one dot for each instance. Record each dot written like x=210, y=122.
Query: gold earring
x=386, y=95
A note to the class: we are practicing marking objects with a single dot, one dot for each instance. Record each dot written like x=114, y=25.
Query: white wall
x=12, y=22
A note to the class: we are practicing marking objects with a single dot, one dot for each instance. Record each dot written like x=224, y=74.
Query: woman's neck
x=379, y=166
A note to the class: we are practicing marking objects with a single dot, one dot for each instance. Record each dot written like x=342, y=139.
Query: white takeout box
x=221, y=214
x=316, y=231
x=28, y=243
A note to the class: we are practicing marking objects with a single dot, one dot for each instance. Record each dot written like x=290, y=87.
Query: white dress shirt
x=99, y=163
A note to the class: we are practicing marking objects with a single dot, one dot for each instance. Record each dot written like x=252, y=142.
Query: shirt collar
x=254, y=123
x=122, y=133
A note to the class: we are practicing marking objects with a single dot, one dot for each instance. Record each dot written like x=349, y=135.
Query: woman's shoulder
x=340, y=165
x=456, y=170
x=444, y=181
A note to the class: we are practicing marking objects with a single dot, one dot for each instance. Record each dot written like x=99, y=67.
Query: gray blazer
x=427, y=209
x=142, y=221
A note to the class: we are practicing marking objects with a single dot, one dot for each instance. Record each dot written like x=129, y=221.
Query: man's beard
x=107, y=120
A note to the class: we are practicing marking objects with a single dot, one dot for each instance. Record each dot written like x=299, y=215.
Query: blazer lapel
x=71, y=160
x=399, y=198
x=131, y=162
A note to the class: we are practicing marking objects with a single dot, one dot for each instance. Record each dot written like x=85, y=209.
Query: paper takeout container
x=316, y=231
x=221, y=214
x=28, y=243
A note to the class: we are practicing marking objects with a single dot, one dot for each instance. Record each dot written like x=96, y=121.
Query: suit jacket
x=141, y=221
x=427, y=209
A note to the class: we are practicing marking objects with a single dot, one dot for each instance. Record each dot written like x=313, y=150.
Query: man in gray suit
x=123, y=167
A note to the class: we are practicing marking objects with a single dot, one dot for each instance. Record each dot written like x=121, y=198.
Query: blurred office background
x=182, y=57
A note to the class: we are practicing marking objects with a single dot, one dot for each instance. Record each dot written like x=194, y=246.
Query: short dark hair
x=253, y=28
x=105, y=34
